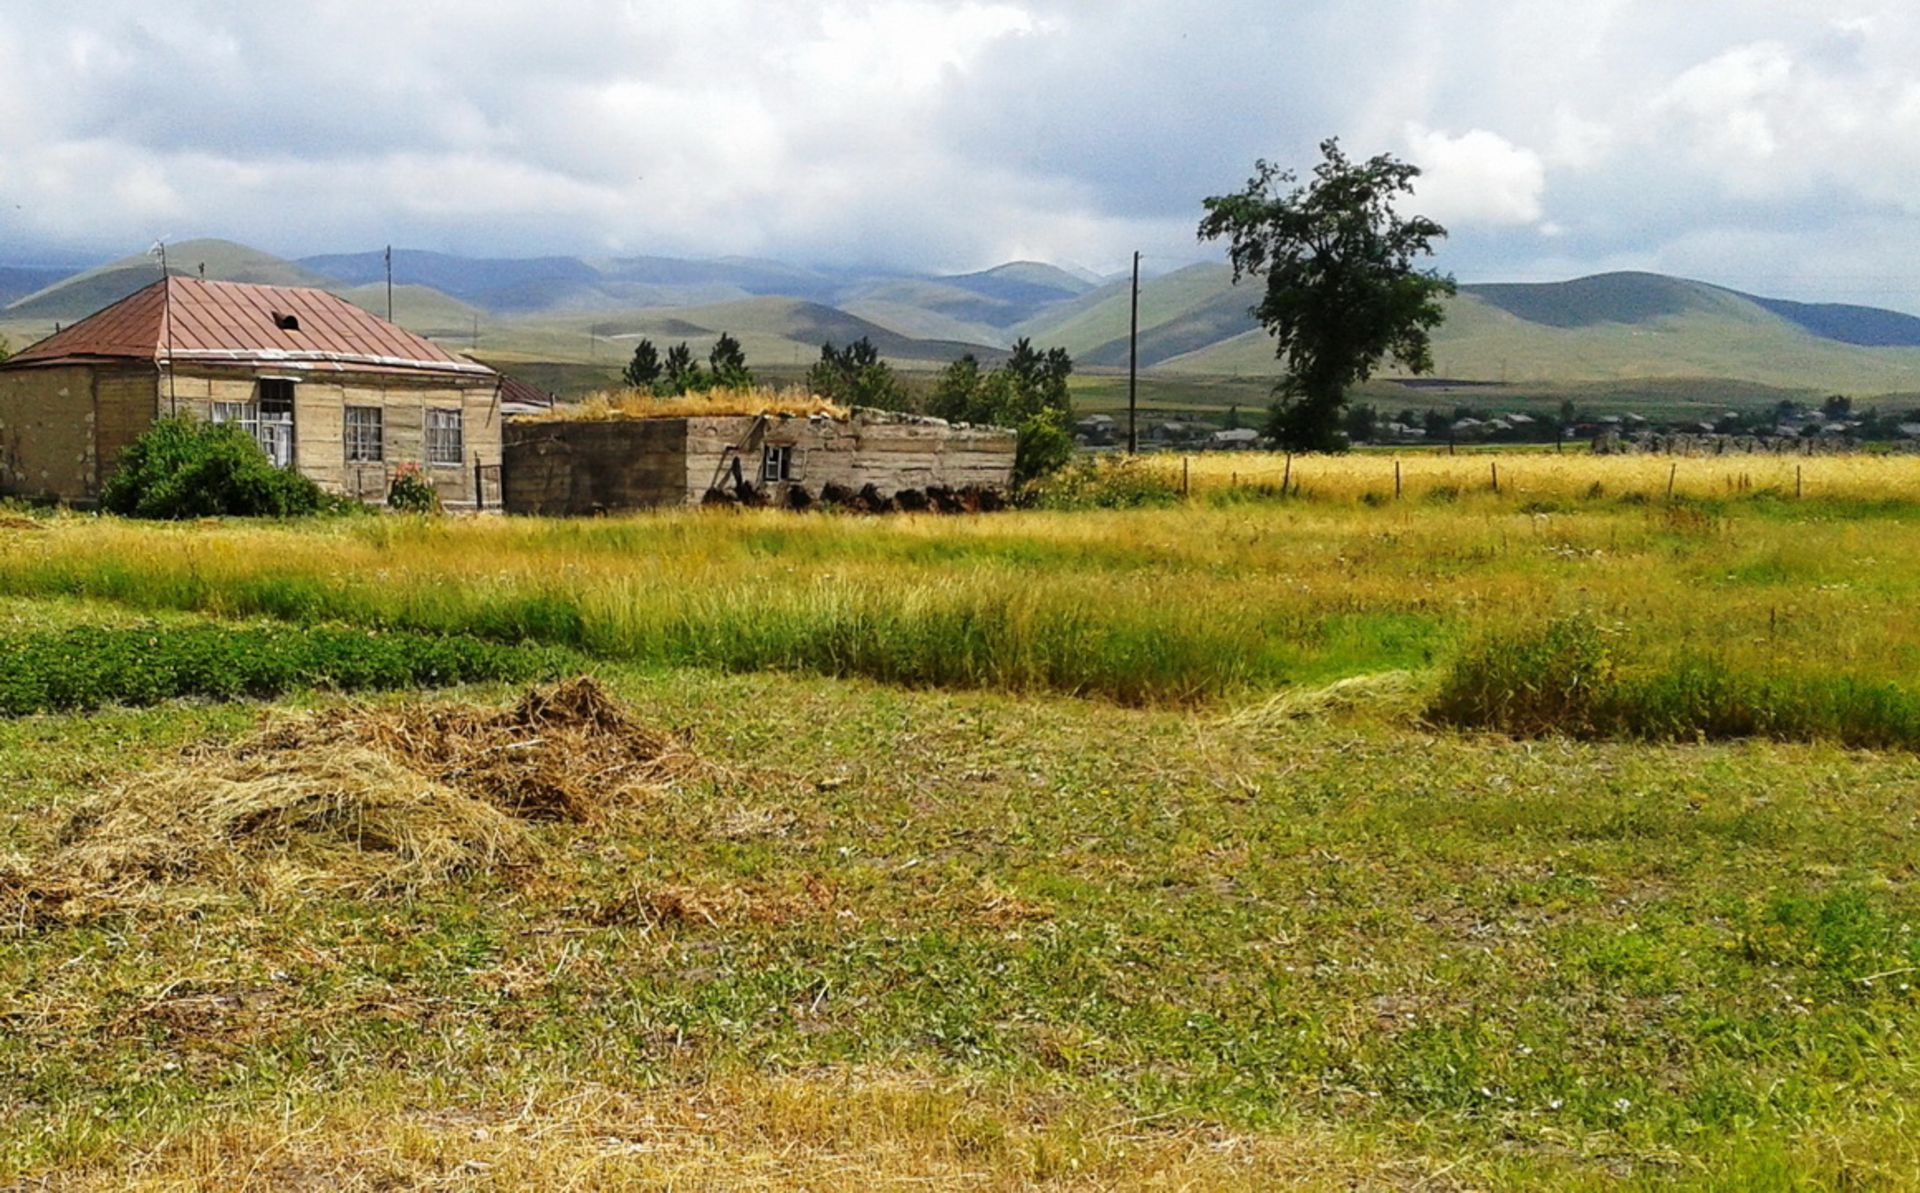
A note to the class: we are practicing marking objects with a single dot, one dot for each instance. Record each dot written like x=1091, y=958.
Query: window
x=443, y=438
x=268, y=419
x=244, y=413
x=777, y=463
x=365, y=444
x=274, y=431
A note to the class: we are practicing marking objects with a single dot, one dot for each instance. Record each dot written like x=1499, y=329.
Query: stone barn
x=323, y=386
x=867, y=458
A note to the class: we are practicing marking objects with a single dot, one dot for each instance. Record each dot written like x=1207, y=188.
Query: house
x=323, y=386
x=1095, y=430
x=1237, y=439
x=871, y=459
x=523, y=397
x=1177, y=432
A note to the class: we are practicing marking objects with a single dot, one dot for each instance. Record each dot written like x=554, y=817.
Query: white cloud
x=1478, y=178
x=952, y=133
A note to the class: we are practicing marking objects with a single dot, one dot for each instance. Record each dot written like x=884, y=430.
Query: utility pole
x=389, y=283
x=166, y=308
x=1133, y=365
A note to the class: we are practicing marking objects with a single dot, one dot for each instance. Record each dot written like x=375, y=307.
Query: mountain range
x=1194, y=322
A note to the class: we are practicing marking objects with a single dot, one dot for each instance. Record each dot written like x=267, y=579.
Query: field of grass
x=1202, y=845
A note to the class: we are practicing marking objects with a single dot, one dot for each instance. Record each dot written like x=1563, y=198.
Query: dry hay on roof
x=353, y=800
x=618, y=404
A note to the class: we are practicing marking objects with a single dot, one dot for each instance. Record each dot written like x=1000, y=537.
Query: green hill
x=1194, y=322
x=926, y=309
x=784, y=333
x=420, y=309
x=1100, y=316
x=84, y=293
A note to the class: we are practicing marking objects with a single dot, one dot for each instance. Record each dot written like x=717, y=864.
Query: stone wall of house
x=561, y=467
x=47, y=434
x=125, y=400
x=319, y=418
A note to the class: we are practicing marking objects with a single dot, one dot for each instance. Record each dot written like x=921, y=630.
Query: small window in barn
x=777, y=463
x=286, y=322
x=443, y=438
x=365, y=443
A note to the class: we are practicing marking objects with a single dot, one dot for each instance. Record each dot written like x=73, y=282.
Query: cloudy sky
x=1769, y=144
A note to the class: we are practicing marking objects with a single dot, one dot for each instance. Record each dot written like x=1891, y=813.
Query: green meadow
x=1469, y=840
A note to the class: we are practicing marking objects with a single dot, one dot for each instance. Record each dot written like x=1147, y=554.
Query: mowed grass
x=975, y=939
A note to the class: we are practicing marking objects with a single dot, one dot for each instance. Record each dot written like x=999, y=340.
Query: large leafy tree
x=1344, y=290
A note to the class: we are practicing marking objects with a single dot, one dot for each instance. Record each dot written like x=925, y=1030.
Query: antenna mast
x=166, y=308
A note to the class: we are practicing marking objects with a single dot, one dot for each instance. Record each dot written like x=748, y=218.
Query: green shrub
x=411, y=492
x=1568, y=678
x=181, y=467
x=89, y=666
x=1552, y=681
x=1111, y=482
x=1044, y=446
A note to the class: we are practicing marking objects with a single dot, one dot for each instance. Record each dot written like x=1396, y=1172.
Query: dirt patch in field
x=355, y=800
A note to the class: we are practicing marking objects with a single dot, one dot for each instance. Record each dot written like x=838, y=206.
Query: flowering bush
x=411, y=492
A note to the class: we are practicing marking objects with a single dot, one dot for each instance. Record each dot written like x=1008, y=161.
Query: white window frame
x=779, y=462
x=247, y=414
x=445, y=443
x=272, y=429
x=364, y=443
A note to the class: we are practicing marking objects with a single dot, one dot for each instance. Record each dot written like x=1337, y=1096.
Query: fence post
x=479, y=485
x=1798, y=481
x=1286, y=477
x=1184, y=462
x=1495, y=466
x=1396, y=478
x=1673, y=473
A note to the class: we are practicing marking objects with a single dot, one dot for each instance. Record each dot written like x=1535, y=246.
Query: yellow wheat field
x=1547, y=475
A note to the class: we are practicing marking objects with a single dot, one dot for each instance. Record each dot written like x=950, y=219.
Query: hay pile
x=353, y=800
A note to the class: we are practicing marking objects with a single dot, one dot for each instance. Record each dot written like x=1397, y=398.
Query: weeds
x=1570, y=678
x=88, y=666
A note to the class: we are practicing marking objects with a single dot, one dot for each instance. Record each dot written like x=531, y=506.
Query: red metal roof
x=191, y=321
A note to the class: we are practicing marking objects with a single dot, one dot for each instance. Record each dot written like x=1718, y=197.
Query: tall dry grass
x=1150, y=606
x=615, y=404
x=1576, y=475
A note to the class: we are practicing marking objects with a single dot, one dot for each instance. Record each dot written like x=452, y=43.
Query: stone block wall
x=46, y=434
x=561, y=467
x=578, y=468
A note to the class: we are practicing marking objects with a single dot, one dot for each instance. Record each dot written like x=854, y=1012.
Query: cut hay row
x=358, y=800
